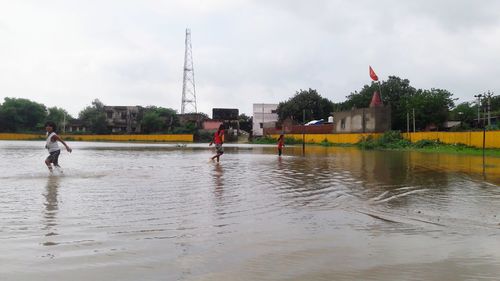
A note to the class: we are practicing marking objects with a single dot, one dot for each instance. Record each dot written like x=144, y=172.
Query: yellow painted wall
x=333, y=138
x=151, y=138
x=468, y=138
x=475, y=139
x=9, y=136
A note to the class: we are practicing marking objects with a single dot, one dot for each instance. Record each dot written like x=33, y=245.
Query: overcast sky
x=67, y=53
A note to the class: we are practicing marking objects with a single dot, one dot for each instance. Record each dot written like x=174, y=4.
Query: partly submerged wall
x=475, y=139
x=147, y=138
x=333, y=138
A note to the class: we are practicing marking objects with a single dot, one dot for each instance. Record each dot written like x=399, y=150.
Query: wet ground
x=165, y=212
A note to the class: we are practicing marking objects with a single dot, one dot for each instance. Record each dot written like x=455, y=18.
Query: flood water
x=165, y=212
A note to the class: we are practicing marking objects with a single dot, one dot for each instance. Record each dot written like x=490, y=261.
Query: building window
x=261, y=125
x=342, y=123
x=275, y=111
x=109, y=114
x=124, y=115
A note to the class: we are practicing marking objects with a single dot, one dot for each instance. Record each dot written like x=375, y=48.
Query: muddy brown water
x=165, y=212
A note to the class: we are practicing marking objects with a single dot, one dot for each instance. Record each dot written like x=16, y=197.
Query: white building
x=263, y=113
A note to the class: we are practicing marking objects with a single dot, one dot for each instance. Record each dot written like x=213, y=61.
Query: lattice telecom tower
x=188, y=88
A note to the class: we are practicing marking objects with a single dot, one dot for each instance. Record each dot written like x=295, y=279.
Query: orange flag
x=373, y=75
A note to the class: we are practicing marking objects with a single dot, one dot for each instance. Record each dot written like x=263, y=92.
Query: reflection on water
x=162, y=212
x=51, y=207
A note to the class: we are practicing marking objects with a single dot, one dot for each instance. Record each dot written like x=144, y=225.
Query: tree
x=315, y=106
x=359, y=99
x=465, y=113
x=21, y=115
x=159, y=119
x=95, y=117
x=431, y=107
x=58, y=116
x=396, y=92
x=152, y=122
x=495, y=105
x=246, y=122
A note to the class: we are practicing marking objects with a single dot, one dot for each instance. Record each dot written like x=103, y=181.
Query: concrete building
x=264, y=116
x=195, y=118
x=375, y=119
x=211, y=125
x=363, y=120
x=76, y=126
x=126, y=119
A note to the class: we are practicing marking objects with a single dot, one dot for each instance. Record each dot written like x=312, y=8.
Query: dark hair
x=221, y=127
x=51, y=124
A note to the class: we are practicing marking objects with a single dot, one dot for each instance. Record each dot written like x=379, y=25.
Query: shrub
x=426, y=143
x=264, y=140
x=366, y=143
x=203, y=136
x=493, y=127
x=325, y=142
x=290, y=140
x=390, y=139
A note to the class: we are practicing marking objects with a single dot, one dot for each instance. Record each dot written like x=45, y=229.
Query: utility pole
x=64, y=122
x=489, y=106
x=188, y=88
x=407, y=121
x=407, y=117
x=303, y=132
x=414, y=120
x=484, y=114
x=262, y=119
x=478, y=108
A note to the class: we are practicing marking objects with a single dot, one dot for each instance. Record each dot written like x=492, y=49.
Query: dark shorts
x=219, y=148
x=54, y=157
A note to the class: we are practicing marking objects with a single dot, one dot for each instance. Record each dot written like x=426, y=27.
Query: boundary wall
x=68, y=137
x=333, y=138
x=474, y=139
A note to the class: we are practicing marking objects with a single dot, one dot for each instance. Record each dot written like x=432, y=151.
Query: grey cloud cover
x=66, y=53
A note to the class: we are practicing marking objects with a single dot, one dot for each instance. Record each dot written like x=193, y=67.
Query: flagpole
x=374, y=77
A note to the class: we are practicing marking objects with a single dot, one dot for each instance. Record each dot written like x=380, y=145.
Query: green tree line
x=23, y=115
x=431, y=106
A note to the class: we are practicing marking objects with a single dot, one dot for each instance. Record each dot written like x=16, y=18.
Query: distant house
x=449, y=125
x=196, y=118
x=483, y=121
x=265, y=115
x=76, y=126
x=229, y=118
x=126, y=119
x=210, y=124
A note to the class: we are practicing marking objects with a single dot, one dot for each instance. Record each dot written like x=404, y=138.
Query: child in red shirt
x=218, y=139
x=281, y=143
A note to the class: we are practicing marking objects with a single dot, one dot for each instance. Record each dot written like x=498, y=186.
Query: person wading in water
x=218, y=139
x=52, y=146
